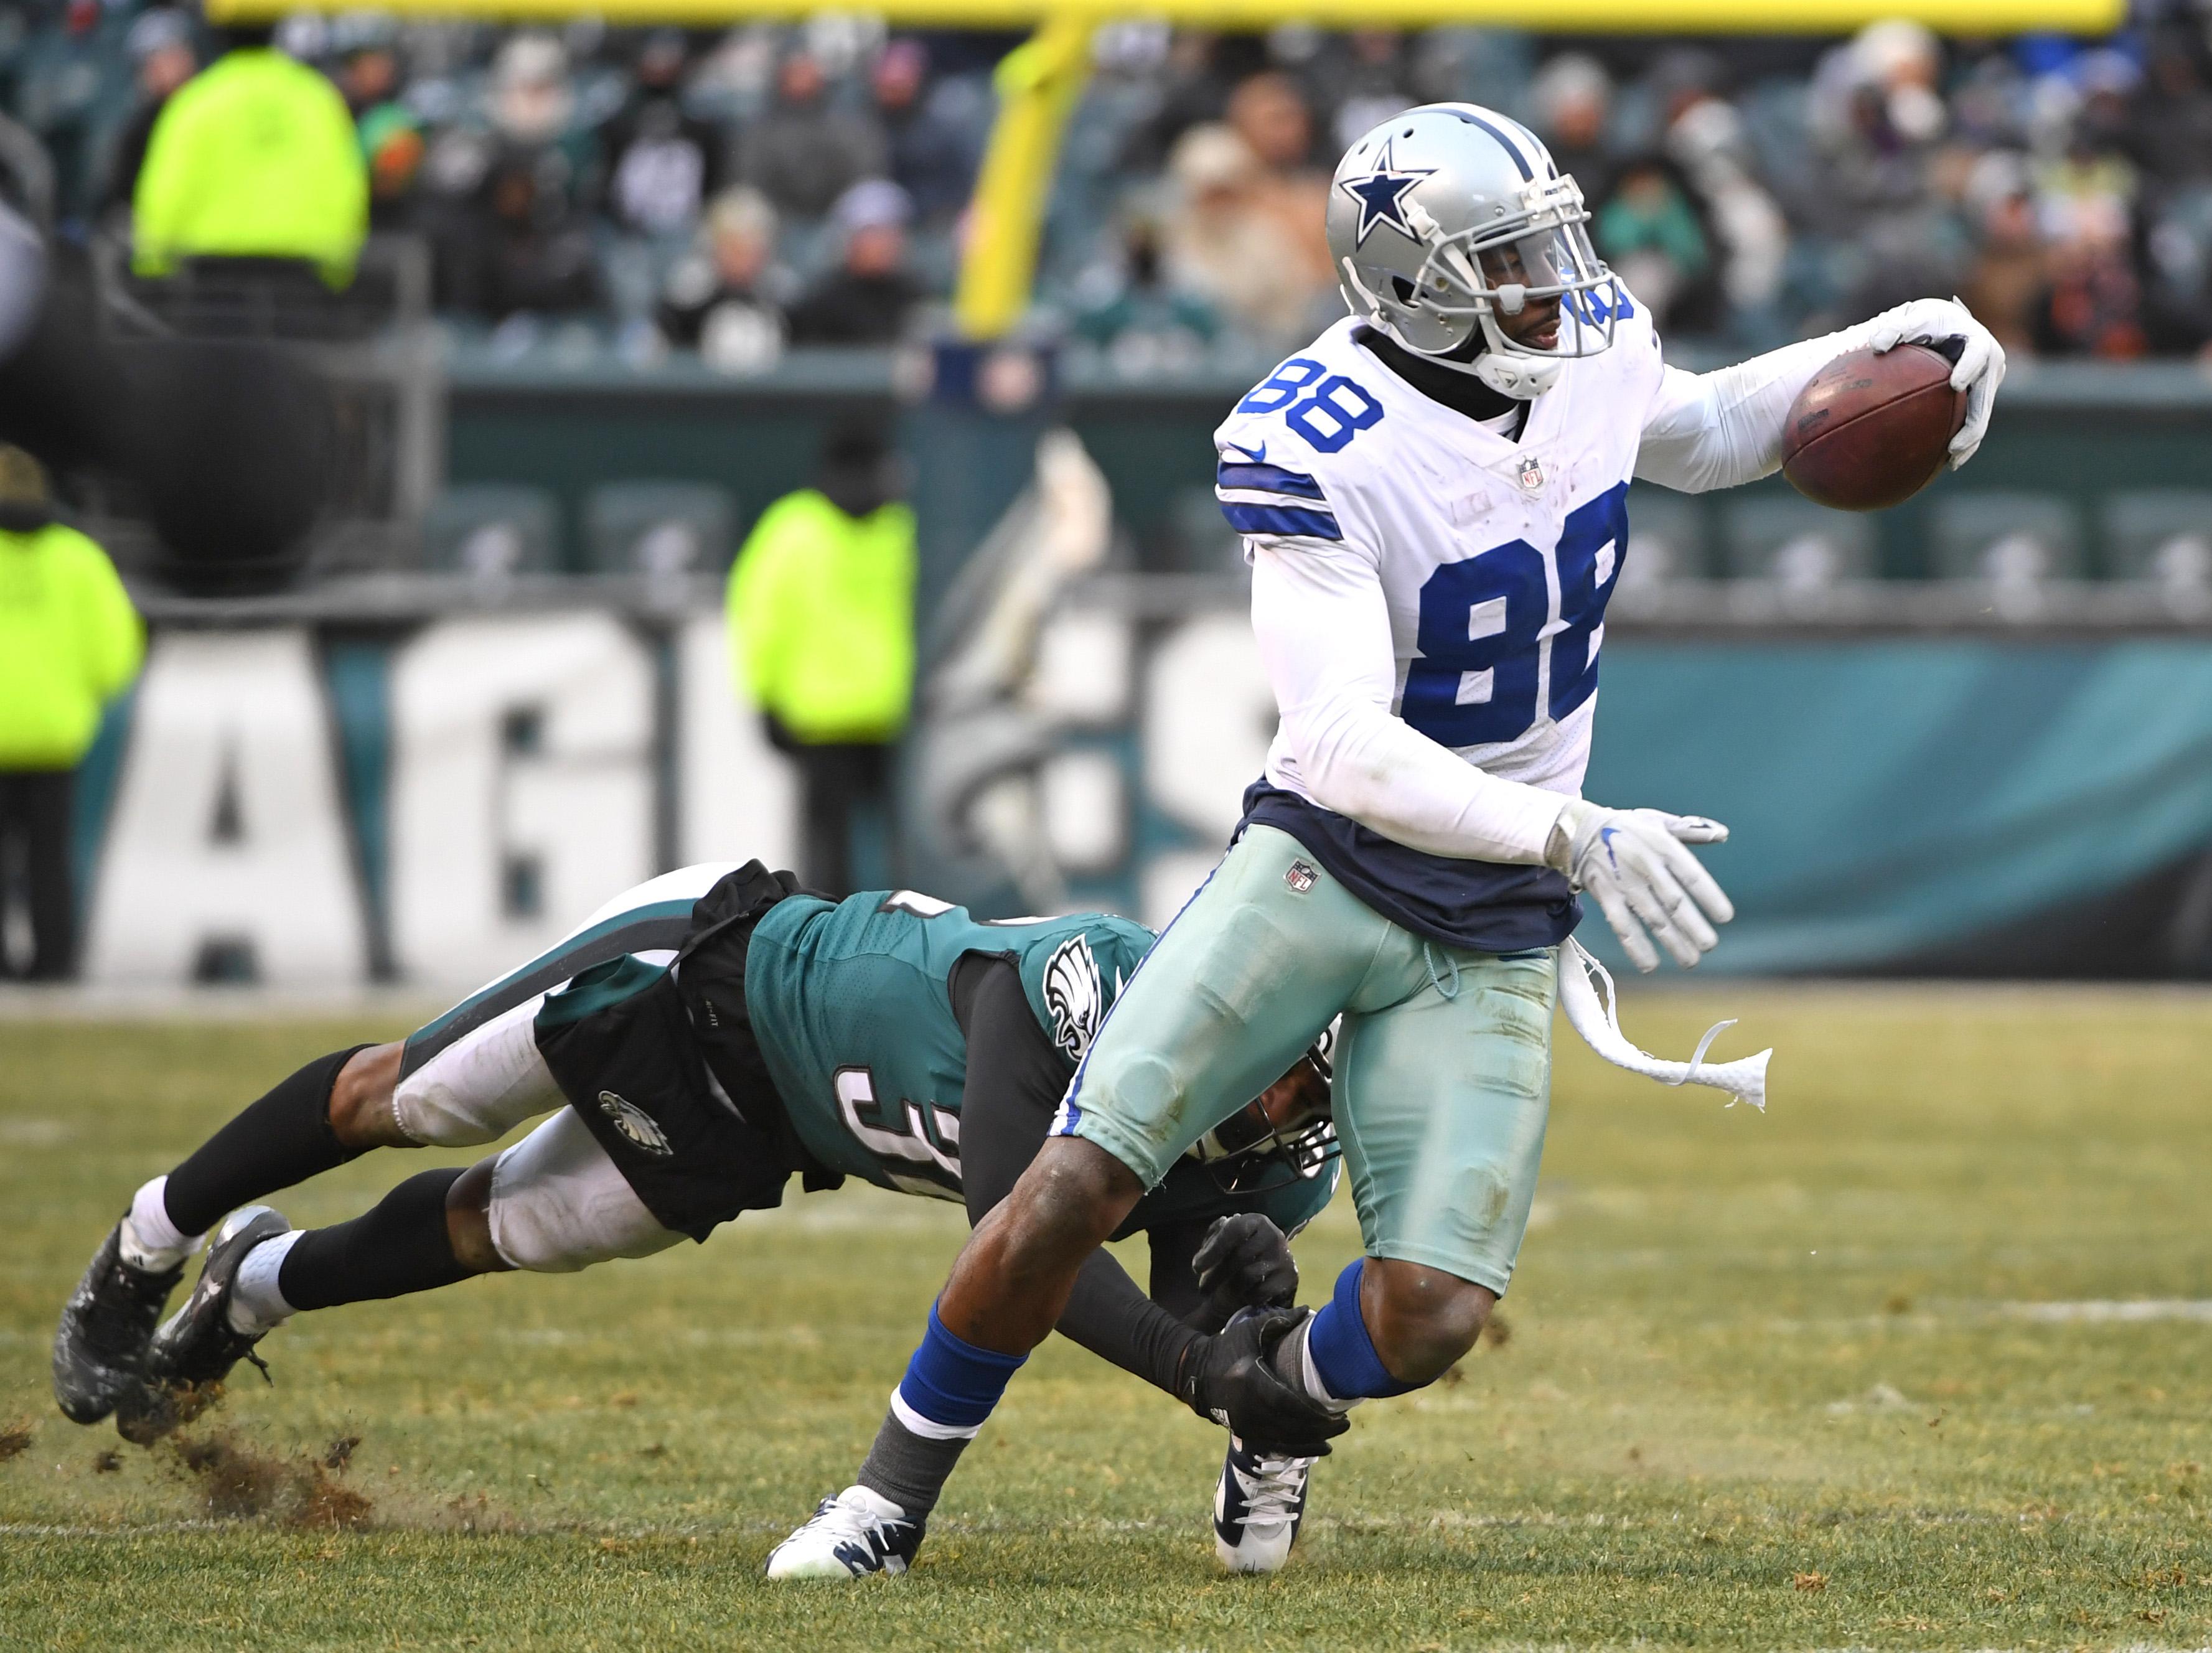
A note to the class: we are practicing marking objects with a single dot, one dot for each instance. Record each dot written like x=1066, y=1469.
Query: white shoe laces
x=1272, y=1488
x=842, y=1522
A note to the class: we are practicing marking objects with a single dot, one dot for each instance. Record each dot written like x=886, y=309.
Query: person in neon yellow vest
x=256, y=157
x=69, y=642
x=821, y=607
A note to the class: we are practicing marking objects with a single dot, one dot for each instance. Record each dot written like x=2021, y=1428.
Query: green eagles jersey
x=852, y=1006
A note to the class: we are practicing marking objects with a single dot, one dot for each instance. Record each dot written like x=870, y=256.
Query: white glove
x=1981, y=367
x=1633, y=862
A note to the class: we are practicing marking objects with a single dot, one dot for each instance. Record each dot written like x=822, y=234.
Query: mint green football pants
x=1443, y=1064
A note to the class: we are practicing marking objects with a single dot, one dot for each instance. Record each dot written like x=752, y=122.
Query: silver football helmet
x=1446, y=218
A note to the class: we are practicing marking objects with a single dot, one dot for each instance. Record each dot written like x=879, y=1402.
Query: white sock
x=1311, y=1374
x=255, y=1303
x=150, y=1240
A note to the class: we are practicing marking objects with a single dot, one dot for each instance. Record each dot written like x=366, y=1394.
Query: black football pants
x=36, y=806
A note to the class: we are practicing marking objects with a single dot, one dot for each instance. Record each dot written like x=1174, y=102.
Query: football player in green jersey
x=697, y=1042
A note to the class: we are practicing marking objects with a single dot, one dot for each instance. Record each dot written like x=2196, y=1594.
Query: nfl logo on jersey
x=1532, y=475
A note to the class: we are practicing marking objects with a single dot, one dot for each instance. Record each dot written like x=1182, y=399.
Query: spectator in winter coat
x=663, y=164
x=725, y=299
x=802, y=154
x=871, y=294
x=934, y=143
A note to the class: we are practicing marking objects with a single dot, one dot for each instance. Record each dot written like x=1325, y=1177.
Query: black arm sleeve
x=1016, y=1078
x=1174, y=1278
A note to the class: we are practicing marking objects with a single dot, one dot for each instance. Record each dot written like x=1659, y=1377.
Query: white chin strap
x=1586, y=995
x=1522, y=378
x=1509, y=372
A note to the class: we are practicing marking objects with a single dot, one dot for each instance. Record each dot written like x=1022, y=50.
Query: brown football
x=1871, y=431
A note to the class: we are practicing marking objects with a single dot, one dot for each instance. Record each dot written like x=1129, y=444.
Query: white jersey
x=1429, y=595
x=1496, y=556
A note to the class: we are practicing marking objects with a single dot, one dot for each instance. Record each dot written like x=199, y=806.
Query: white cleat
x=1257, y=1505
x=853, y=1535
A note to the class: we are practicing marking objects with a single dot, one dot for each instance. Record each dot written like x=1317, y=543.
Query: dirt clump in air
x=240, y=1481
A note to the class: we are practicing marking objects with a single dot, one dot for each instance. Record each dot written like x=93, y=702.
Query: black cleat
x=99, y=1350
x=195, y=1346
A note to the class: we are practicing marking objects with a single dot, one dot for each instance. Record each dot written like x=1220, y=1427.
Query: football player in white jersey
x=1433, y=500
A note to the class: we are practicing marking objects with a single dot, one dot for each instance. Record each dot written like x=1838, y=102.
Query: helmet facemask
x=1495, y=271
x=1284, y=1134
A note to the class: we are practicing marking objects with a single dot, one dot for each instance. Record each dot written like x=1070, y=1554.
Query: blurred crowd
x=737, y=192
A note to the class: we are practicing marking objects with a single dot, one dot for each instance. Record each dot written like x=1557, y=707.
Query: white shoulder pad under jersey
x=1496, y=557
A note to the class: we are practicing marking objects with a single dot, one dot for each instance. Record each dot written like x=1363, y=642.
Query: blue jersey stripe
x=1269, y=501
x=1280, y=519
x=1269, y=478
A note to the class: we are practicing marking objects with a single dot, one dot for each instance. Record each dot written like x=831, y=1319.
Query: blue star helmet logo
x=1382, y=196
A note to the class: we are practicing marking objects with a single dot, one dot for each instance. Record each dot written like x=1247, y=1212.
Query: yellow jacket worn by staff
x=254, y=157
x=69, y=642
x=821, y=610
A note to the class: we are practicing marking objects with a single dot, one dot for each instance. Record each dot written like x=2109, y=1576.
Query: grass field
x=1857, y=1373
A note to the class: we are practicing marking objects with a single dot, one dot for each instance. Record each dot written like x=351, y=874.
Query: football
x=1872, y=430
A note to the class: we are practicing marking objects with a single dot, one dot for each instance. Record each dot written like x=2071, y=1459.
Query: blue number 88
x=1336, y=411
x=1282, y=389
x=1341, y=419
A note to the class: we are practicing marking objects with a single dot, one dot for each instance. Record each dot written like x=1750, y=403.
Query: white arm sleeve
x=1324, y=632
x=1718, y=430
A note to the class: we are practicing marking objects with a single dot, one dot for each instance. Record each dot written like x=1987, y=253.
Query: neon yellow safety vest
x=821, y=609
x=254, y=157
x=69, y=642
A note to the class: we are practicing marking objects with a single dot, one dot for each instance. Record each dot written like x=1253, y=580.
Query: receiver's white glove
x=1980, y=367
x=1633, y=861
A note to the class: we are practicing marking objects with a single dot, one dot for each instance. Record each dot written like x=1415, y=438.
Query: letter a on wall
x=226, y=857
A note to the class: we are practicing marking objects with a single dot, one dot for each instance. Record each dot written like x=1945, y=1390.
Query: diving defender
x=696, y=1042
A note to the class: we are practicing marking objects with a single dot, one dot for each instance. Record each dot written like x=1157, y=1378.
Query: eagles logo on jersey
x=1075, y=995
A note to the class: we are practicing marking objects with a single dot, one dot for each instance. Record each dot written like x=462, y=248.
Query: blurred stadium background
x=628, y=273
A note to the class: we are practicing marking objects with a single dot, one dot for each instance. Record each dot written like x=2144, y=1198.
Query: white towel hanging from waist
x=1586, y=993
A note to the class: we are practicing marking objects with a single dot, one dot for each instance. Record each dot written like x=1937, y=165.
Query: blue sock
x=951, y=1385
x=1344, y=1355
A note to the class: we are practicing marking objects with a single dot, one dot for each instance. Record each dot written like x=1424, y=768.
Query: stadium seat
x=1796, y=543
x=661, y=528
x=806, y=247
x=1666, y=538
x=933, y=255
x=2007, y=539
x=492, y=530
x=2162, y=537
x=634, y=269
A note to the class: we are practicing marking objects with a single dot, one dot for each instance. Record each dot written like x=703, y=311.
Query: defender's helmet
x=1281, y=1135
x=1444, y=218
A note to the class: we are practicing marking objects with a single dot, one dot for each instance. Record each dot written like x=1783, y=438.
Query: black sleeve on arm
x=1174, y=1279
x=1016, y=1078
